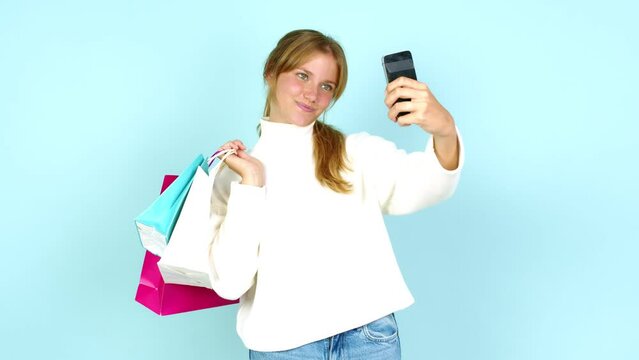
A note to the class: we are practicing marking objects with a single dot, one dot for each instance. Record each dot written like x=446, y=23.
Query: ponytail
x=329, y=152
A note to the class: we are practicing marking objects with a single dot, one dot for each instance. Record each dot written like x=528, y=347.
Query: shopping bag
x=186, y=257
x=156, y=223
x=167, y=299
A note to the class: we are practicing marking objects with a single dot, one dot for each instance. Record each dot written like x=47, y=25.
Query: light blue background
x=535, y=257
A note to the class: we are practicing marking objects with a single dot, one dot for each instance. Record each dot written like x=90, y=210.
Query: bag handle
x=224, y=152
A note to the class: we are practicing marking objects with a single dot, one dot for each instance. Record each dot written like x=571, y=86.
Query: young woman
x=301, y=239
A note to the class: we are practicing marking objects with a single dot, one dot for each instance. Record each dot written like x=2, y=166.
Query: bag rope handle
x=224, y=152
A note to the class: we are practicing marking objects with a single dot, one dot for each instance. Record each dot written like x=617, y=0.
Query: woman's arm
x=401, y=182
x=447, y=150
x=235, y=248
x=236, y=214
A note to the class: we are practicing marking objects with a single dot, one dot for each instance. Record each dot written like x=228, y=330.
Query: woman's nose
x=310, y=93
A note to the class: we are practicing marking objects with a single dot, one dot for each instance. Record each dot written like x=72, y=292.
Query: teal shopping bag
x=155, y=224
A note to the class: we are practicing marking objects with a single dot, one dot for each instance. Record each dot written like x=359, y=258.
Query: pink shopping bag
x=167, y=299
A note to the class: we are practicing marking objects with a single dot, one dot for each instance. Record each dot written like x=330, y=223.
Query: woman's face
x=302, y=94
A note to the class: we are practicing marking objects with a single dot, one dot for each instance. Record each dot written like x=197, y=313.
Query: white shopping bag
x=186, y=257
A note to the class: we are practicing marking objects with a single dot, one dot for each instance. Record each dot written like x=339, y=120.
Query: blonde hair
x=329, y=144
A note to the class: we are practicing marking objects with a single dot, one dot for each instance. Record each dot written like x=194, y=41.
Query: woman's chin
x=303, y=120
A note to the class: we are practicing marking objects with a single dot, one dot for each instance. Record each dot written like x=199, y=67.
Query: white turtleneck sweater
x=306, y=262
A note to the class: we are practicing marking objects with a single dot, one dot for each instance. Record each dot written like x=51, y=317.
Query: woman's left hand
x=423, y=108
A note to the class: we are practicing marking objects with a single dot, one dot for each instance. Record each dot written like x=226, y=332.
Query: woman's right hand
x=249, y=168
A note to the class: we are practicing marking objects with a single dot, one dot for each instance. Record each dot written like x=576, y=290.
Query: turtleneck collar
x=270, y=128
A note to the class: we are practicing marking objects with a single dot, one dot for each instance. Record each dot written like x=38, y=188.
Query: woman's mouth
x=304, y=108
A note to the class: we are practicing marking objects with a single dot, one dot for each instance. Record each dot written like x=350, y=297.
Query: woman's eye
x=302, y=76
x=327, y=87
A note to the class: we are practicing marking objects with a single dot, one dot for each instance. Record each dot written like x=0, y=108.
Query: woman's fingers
x=234, y=144
x=405, y=107
x=407, y=119
x=249, y=168
x=236, y=163
x=404, y=93
x=404, y=82
x=243, y=155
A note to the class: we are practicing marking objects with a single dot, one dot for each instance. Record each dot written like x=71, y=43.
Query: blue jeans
x=378, y=340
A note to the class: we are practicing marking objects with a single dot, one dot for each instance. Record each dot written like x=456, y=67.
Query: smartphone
x=396, y=65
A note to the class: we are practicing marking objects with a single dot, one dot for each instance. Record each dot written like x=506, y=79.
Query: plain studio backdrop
x=535, y=257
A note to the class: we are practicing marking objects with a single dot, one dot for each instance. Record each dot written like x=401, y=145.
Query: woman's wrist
x=445, y=127
x=254, y=180
x=447, y=149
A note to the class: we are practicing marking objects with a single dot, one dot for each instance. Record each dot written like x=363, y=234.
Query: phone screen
x=399, y=64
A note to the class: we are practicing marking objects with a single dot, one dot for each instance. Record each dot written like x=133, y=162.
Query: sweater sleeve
x=235, y=218
x=402, y=182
